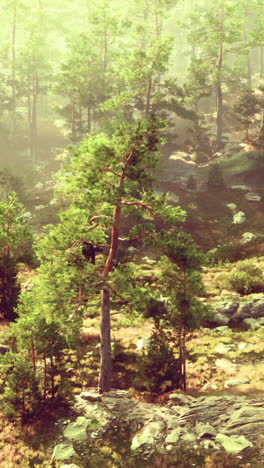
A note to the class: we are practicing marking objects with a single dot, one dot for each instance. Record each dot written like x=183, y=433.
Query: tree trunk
x=13, y=88
x=261, y=130
x=105, y=330
x=89, y=119
x=261, y=60
x=148, y=97
x=45, y=380
x=52, y=377
x=219, y=100
x=33, y=132
x=33, y=355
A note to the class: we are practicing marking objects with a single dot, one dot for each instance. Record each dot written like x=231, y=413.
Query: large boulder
x=233, y=312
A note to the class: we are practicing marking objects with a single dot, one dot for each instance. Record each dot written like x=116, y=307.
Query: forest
x=132, y=234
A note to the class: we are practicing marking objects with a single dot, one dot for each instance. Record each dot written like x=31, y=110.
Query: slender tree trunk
x=73, y=123
x=52, y=377
x=105, y=331
x=33, y=355
x=13, y=90
x=148, y=97
x=261, y=60
x=33, y=133
x=45, y=379
x=249, y=80
x=261, y=130
x=219, y=100
x=104, y=384
x=89, y=119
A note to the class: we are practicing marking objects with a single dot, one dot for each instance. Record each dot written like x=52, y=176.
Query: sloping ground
x=186, y=432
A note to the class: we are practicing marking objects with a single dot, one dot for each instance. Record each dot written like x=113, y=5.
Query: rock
x=242, y=346
x=232, y=207
x=63, y=452
x=173, y=436
x=72, y=465
x=236, y=382
x=77, y=429
x=222, y=329
x=209, y=386
x=220, y=319
x=244, y=310
x=222, y=348
x=142, y=343
x=188, y=437
x=180, y=398
x=258, y=309
x=91, y=396
x=248, y=420
x=247, y=237
x=224, y=364
x=252, y=196
x=240, y=187
x=147, y=437
x=239, y=218
x=253, y=323
x=228, y=308
x=233, y=444
x=205, y=431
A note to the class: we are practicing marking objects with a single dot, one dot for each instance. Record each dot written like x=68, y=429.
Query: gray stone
x=247, y=237
x=255, y=324
x=63, y=452
x=220, y=319
x=173, y=436
x=222, y=329
x=244, y=310
x=180, y=398
x=233, y=444
x=239, y=218
x=91, y=396
x=205, y=431
x=222, y=348
x=236, y=382
x=252, y=196
x=258, y=309
x=72, y=465
x=224, y=364
x=148, y=435
x=77, y=429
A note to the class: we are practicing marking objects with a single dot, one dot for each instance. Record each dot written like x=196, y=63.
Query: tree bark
x=261, y=59
x=219, y=100
x=13, y=89
x=105, y=331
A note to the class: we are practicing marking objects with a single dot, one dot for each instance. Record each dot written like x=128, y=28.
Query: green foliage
x=158, y=369
x=245, y=278
x=15, y=245
x=246, y=107
x=21, y=395
x=215, y=177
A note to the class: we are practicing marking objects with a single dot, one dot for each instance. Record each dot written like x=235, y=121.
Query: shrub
x=158, y=368
x=200, y=158
x=245, y=278
x=215, y=177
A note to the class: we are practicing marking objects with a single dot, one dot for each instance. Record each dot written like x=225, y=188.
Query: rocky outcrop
x=235, y=310
x=227, y=422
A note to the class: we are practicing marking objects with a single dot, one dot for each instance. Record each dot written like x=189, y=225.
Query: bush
x=158, y=368
x=215, y=177
x=245, y=278
x=200, y=158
